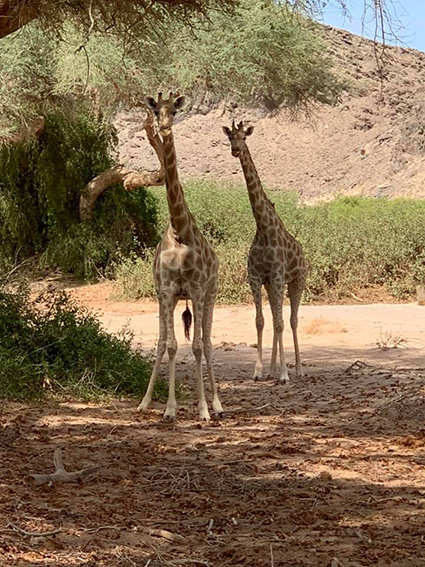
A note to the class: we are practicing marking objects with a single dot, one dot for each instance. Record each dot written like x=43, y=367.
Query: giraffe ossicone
x=185, y=267
x=275, y=259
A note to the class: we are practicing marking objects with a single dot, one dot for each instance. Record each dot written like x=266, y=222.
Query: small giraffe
x=275, y=259
x=185, y=267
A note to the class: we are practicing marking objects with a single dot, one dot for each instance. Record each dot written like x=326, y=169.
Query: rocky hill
x=371, y=143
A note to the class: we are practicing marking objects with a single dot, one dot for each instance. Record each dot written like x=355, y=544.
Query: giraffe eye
x=156, y=112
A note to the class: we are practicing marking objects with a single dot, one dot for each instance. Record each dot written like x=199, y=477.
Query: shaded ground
x=326, y=471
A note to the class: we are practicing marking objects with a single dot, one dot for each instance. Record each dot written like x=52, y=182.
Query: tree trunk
x=120, y=174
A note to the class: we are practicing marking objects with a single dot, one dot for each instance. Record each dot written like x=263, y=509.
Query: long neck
x=260, y=204
x=179, y=212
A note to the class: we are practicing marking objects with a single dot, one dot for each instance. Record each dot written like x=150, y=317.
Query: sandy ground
x=336, y=335
x=326, y=471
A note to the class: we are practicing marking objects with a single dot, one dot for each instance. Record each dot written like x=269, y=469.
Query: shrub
x=40, y=185
x=52, y=344
x=350, y=243
x=135, y=277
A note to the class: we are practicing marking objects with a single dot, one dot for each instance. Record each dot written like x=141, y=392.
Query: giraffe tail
x=187, y=321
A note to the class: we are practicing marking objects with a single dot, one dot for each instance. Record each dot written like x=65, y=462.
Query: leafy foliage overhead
x=133, y=17
x=124, y=17
x=263, y=55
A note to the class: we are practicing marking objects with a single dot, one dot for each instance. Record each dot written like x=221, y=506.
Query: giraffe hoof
x=168, y=418
x=219, y=415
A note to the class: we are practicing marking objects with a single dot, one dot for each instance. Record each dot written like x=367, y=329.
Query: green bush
x=40, y=185
x=350, y=243
x=135, y=277
x=52, y=344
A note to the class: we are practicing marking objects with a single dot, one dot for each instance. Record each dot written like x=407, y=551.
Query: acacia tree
x=135, y=18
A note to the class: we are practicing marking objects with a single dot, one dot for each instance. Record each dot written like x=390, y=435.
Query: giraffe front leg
x=295, y=290
x=259, y=323
x=272, y=369
x=198, y=313
x=206, y=339
x=170, y=410
x=161, y=348
x=275, y=294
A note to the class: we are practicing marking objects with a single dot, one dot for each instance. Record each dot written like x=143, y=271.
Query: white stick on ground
x=60, y=474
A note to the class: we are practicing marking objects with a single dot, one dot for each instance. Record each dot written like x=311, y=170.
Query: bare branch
x=60, y=474
x=33, y=534
x=119, y=174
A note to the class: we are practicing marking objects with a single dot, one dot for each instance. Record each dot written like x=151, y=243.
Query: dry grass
x=388, y=340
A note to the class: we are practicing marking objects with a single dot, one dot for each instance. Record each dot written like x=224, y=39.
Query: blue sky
x=410, y=14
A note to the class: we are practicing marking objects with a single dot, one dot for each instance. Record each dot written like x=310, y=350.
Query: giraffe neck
x=179, y=212
x=260, y=204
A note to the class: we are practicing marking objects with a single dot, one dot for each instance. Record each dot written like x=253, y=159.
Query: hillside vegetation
x=351, y=244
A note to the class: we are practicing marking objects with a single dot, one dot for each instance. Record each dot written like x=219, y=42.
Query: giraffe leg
x=295, y=290
x=198, y=314
x=272, y=370
x=276, y=299
x=206, y=339
x=160, y=351
x=170, y=410
x=259, y=323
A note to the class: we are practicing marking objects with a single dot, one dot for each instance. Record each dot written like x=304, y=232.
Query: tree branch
x=60, y=474
x=120, y=174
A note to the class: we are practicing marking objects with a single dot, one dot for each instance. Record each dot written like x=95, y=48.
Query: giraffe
x=185, y=267
x=275, y=258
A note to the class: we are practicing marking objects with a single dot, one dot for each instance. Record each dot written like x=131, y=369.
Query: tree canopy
x=124, y=17
x=135, y=18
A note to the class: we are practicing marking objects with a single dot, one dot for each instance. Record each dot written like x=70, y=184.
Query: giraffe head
x=237, y=136
x=165, y=110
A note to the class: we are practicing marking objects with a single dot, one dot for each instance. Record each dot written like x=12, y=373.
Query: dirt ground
x=326, y=471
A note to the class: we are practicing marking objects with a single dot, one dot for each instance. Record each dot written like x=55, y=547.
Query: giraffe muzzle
x=236, y=153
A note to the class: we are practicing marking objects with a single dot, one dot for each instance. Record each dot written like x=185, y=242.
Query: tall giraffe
x=185, y=267
x=275, y=258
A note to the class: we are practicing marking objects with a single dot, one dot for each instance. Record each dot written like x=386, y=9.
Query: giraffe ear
x=249, y=130
x=179, y=102
x=226, y=131
x=150, y=102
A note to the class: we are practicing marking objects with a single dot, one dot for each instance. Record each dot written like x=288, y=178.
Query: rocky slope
x=371, y=143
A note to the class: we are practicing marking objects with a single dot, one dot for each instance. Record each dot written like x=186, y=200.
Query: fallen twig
x=170, y=536
x=60, y=474
x=33, y=534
